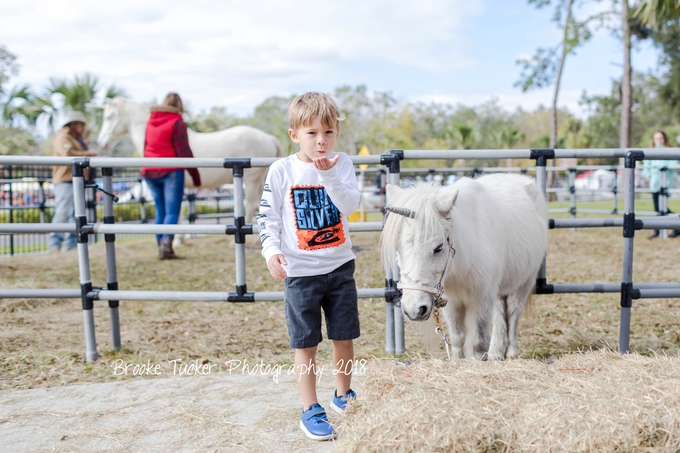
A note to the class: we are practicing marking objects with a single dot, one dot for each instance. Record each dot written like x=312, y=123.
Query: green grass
x=640, y=205
x=26, y=248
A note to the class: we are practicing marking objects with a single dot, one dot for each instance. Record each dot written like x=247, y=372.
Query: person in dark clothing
x=166, y=136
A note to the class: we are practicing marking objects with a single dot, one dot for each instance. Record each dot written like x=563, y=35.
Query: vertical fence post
x=628, y=236
x=615, y=190
x=191, y=198
x=91, y=201
x=11, y=210
x=663, y=199
x=41, y=200
x=111, y=273
x=394, y=317
x=541, y=156
x=83, y=257
x=239, y=229
x=572, y=194
x=142, y=202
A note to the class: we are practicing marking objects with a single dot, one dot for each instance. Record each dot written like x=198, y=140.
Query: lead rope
x=439, y=331
x=440, y=303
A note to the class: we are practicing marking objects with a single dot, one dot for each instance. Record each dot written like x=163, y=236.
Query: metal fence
x=27, y=197
x=394, y=333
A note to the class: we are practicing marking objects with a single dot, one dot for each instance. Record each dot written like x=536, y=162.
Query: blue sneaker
x=339, y=403
x=315, y=424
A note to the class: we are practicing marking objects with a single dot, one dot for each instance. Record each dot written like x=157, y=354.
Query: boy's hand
x=324, y=163
x=275, y=269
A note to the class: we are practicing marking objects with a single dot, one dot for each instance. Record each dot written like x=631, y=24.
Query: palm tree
x=14, y=105
x=461, y=134
x=655, y=14
x=509, y=137
x=77, y=94
x=114, y=91
x=44, y=107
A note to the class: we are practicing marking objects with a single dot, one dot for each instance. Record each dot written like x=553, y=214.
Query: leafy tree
x=652, y=112
x=15, y=108
x=8, y=66
x=16, y=105
x=77, y=93
x=216, y=119
x=545, y=68
x=668, y=41
x=272, y=116
x=17, y=141
x=74, y=95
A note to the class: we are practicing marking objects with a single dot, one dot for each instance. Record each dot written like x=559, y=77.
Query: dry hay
x=594, y=401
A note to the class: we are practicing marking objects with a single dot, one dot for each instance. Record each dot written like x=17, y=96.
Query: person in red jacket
x=166, y=136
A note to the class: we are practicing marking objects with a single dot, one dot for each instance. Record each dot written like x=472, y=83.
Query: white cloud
x=511, y=100
x=236, y=53
x=233, y=50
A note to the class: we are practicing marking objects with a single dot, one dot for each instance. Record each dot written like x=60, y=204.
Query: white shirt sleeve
x=341, y=185
x=269, y=218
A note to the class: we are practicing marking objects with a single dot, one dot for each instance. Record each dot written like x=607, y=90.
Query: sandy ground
x=222, y=412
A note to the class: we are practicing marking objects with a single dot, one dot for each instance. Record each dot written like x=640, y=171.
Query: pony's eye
x=439, y=248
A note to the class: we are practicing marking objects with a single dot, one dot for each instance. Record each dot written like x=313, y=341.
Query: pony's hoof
x=513, y=353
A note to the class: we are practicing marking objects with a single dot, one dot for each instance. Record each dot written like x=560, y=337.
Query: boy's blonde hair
x=304, y=108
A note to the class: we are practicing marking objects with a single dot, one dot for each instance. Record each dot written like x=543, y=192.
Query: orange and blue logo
x=318, y=223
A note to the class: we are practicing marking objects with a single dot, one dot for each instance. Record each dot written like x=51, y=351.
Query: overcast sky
x=237, y=53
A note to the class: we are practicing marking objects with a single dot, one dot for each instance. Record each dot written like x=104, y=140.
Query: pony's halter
x=438, y=289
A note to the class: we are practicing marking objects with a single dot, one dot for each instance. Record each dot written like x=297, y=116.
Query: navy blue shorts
x=304, y=298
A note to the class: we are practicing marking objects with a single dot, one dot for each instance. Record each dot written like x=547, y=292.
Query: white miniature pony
x=122, y=116
x=478, y=244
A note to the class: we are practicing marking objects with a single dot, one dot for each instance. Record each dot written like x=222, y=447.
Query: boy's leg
x=303, y=318
x=305, y=372
x=343, y=361
x=342, y=322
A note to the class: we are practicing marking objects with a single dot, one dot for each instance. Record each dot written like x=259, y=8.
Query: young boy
x=307, y=198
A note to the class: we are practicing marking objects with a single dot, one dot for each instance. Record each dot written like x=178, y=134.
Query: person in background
x=166, y=136
x=69, y=141
x=652, y=171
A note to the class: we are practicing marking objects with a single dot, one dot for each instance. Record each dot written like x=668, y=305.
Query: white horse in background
x=483, y=240
x=122, y=116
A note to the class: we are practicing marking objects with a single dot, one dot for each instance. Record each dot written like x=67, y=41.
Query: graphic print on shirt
x=318, y=223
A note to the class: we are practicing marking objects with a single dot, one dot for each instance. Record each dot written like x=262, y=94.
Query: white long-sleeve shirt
x=308, y=208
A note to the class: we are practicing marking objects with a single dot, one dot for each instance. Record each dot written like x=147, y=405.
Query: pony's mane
x=420, y=199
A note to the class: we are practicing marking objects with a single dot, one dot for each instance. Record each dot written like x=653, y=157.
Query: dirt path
x=222, y=412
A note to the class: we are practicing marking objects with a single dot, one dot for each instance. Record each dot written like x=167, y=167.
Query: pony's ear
x=446, y=201
x=393, y=192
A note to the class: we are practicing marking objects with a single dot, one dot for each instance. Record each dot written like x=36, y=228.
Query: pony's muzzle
x=416, y=305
